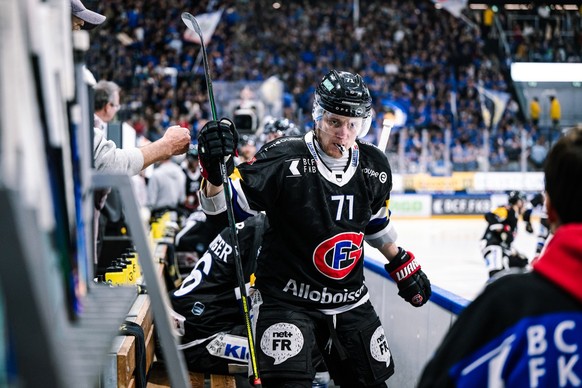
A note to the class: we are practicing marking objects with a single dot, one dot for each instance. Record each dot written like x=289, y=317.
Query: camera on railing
x=246, y=120
x=247, y=112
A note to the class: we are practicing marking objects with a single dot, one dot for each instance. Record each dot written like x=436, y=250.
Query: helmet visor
x=335, y=123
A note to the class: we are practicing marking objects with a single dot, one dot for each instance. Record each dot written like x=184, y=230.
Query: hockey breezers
x=192, y=24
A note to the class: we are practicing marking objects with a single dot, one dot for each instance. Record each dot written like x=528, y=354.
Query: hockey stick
x=192, y=24
x=387, y=125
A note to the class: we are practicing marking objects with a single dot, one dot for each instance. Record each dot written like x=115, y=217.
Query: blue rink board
x=440, y=296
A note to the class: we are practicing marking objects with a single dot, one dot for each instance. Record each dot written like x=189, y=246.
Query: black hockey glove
x=217, y=141
x=518, y=260
x=413, y=285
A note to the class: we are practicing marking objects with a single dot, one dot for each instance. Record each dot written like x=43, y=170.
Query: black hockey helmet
x=292, y=130
x=514, y=196
x=343, y=93
x=276, y=126
x=247, y=140
x=281, y=127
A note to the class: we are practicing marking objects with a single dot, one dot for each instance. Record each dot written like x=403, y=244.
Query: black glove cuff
x=210, y=169
x=396, y=261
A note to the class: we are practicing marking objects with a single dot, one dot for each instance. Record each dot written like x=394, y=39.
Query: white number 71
x=341, y=199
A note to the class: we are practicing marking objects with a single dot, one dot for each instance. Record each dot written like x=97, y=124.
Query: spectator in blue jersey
x=524, y=330
x=323, y=193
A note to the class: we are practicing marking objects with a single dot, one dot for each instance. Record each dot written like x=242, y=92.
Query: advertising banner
x=460, y=204
x=410, y=205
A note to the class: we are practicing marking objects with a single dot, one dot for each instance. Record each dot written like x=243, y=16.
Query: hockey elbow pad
x=413, y=285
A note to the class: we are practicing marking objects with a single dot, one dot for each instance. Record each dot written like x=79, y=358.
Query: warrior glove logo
x=337, y=256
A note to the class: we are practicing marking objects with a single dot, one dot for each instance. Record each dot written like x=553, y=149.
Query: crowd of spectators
x=423, y=59
x=544, y=33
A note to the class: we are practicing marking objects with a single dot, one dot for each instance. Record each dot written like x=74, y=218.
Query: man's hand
x=177, y=139
x=217, y=142
x=413, y=285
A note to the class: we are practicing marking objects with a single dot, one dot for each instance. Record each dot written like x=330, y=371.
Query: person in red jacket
x=525, y=330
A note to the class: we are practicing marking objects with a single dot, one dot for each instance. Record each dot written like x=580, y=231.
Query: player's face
x=76, y=23
x=336, y=134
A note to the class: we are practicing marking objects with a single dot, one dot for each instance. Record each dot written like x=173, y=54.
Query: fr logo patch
x=379, y=346
x=282, y=341
x=338, y=255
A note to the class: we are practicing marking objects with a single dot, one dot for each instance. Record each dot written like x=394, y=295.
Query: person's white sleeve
x=109, y=158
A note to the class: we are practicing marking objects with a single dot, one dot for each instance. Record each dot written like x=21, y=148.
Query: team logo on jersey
x=382, y=176
x=338, y=255
x=282, y=341
x=298, y=167
x=294, y=168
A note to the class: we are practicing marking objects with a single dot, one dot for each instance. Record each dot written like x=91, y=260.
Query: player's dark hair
x=563, y=170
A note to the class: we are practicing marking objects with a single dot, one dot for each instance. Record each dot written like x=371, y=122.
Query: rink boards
x=448, y=251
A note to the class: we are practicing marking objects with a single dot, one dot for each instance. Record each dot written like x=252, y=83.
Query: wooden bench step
x=158, y=378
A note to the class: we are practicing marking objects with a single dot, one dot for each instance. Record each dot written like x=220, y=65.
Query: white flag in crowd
x=499, y=102
x=455, y=7
x=207, y=23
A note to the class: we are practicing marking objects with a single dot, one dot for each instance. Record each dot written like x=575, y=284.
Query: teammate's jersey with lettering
x=312, y=252
x=523, y=330
x=206, y=302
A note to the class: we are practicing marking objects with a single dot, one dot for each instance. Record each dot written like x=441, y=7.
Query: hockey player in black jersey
x=538, y=208
x=206, y=307
x=205, y=311
x=324, y=193
x=496, y=243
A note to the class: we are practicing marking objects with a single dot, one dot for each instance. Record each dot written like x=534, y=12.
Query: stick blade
x=385, y=135
x=191, y=23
